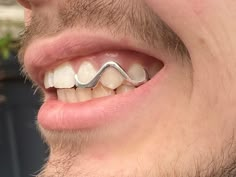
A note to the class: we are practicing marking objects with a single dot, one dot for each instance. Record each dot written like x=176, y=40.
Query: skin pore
x=188, y=129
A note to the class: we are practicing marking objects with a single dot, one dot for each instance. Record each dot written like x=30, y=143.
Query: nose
x=29, y=5
x=32, y=3
x=24, y=3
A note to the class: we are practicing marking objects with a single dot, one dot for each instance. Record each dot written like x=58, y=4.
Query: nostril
x=24, y=3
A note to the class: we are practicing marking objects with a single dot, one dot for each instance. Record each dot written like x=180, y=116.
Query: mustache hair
x=120, y=18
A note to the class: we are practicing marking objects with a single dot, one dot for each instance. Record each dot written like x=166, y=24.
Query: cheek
x=27, y=17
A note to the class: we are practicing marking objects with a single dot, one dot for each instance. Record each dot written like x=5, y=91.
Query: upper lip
x=44, y=54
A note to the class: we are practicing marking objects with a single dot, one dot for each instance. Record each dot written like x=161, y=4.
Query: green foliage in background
x=5, y=46
x=9, y=40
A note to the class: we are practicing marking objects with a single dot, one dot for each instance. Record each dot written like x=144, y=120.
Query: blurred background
x=22, y=151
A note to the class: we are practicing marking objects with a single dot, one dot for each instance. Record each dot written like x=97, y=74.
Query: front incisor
x=86, y=72
x=64, y=76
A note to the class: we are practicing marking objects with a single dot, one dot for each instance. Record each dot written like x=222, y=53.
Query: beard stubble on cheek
x=120, y=17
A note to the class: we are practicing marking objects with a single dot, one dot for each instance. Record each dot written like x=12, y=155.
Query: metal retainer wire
x=93, y=83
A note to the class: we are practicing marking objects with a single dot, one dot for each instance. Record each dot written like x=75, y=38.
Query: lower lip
x=57, y=115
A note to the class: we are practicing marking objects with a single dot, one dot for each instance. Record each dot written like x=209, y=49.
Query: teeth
x=83, y=94
x=61, y=95
x=101, y=91
x=86, y=72
x=137, y=72
x=48, y=80
x=111, y=81
x=124, y=89
x=154, y=69
x=70, y=95
x=111, y=78
x=64, y=76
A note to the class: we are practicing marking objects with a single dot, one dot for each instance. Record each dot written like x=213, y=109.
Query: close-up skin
x=178, y=122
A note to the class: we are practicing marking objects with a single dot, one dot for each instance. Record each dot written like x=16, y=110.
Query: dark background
x=22, y=152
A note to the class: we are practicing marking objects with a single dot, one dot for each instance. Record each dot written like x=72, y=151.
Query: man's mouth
x=111, y=82
x=54, y=63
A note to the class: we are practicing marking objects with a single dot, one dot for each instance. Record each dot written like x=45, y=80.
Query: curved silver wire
x=93, y=83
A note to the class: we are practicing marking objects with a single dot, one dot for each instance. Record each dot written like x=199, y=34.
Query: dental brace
x=93, y=83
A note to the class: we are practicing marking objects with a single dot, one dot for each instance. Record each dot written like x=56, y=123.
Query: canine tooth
x=101, y=91
x=64, y=76
x=137, y=72
x=83, y=94
x=124, y=89
x=48, y=80
x=86, y=72
x=61, y=95
x=111, y=78
x=71, y=95
x=155, y=68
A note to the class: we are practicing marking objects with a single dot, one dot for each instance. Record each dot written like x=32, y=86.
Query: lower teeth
x=84, y=94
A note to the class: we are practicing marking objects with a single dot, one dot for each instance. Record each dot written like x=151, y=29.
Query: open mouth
x=139, y=68
x=67, y=105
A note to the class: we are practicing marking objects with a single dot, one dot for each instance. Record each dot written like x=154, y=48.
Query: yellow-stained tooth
x=124, y=89
x=71, y=95
x=83, y=94
x=61, y=95
x=101, y=91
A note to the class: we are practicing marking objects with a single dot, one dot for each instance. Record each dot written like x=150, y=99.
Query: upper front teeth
x=49, y=79
x=86, y=72
x=63, y=76
x=111, y=78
